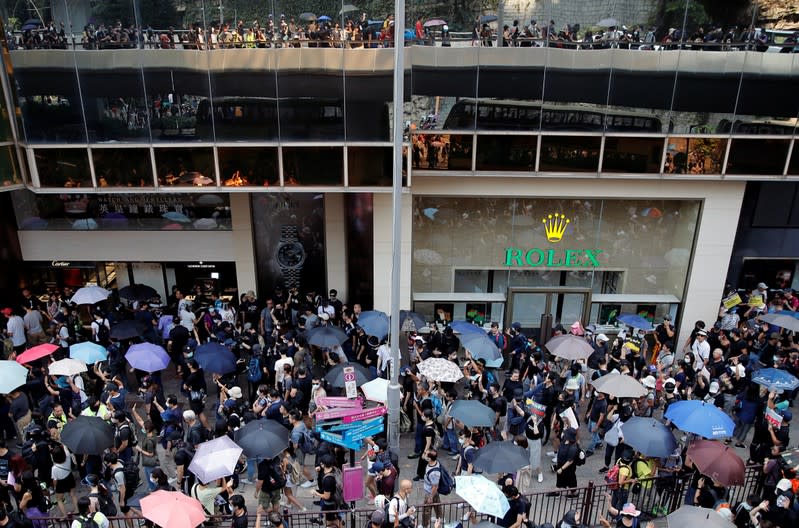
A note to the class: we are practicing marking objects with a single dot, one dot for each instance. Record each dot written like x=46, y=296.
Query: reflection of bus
x=527, y=115
x=775, y=127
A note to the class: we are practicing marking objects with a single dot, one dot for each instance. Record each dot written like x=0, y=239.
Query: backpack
x=105, y=503
x=254, y=372
x=445, y=483
x=103, y=334
x=438, y=408
x=308, y=442
x=132, y=440
x=612, y=476
x=130, y=469
x=276, y=478
x=86, y=522
x=405, y=422
x=580, y=459
x=490, y=378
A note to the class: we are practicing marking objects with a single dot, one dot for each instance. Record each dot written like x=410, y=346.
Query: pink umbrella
x=37, y=352
x=172, y=509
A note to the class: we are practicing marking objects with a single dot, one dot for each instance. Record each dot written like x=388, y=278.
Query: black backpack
x=276, y=478
x=131, y=473
x=86, y=522
x=103, y=334
x=105, y=503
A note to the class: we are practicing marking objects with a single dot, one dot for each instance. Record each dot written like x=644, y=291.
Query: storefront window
x=242, y=167
x=442, y=151
x=632, y=155
x=313, y=165
x=369, y=166
x=689, y=155
x=9, y=173
x=569, y=153
x=62, y=167
x=122, y=167
x=757, y=156
x=185, y=167
x=510, y=153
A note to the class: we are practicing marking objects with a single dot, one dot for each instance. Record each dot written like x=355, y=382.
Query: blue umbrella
x=215, y=358
x=88, y=352
x=776, y=379
x=649, y=436
x=374, y=323
x=700, y=418
x=465, y=327
x=481, y=346
x=636, y=321
x=472, y=413
x=324, y=18
x=147, y=357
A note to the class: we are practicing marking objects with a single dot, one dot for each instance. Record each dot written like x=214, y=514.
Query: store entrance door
x=564, y=305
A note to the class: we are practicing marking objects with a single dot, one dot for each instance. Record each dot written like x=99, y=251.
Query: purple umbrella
x=147, y=357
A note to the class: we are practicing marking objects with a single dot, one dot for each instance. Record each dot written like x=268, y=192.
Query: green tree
x=156, y=13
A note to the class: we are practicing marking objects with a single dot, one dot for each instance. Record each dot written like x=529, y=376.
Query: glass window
x=686, y=155
x=9, y=172
x=632, y=155
x=569, y=153
x=471, y=281
x=313, y=165
x=512, y=153
x=310, y=104
x=245, y=103
x=757, y=156
x=442, y=151
x=122, y=167
x=62, y=167
x=370, y=166
x=179, y=102
x=368, y=102
x=241, y=167
x=187, y=167
x=793, y=165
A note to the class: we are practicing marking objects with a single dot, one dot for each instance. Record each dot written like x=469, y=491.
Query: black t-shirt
x=426, y=403
x=513, y=512
x=509, y=387
x=251, y=312
x=239, y=521
x=196, y=381
x=598, y=408
x=499, y=405
x=328, y=485
x=429, y=431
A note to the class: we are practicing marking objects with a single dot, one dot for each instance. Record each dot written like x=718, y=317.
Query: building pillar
x=243, y=250
x=384, y=250
x=336, y=244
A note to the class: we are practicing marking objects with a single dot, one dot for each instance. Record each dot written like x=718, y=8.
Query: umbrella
x=88, y=352
x=374, y=323
x=90, y=295
x=215, y=459
x=147, y=357
x=347, y=8
x=435, y=22
x=210, y=200
x=336, y=375
x=137, y=292
x=307, y=17
x=635, y=321
x=776, y=379
x=501, y=457
x=649, y=436
x=262, y=438
x=67, y=367
x=411, y=321
x=12, y=376
x=782, y=320
x=172, y=509
x=88, y=435
x=715, y=460
x=216, y=358
x=608, y=22
x=482, y=495
x=324, y=18
x=569, y=347
x=696, y=516
x=174, y=216
x=480, y=346
x=465, y=327
x=37, y=352
x=700, y=418
x=485, y=19
x=619, y=385
x=88, y=224
x=472, y=413
x=30, y=24
x=326, y=336
x=440, y=369
x=376, y=390
x=127, y=330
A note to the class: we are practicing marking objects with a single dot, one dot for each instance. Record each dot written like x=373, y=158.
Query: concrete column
x=243, y=248
x=336, y=244
x=383, y=251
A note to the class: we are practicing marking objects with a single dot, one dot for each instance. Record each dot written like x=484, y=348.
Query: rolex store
x=542, y=260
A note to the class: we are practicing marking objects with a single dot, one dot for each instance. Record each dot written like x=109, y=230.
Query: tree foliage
x=156, y=13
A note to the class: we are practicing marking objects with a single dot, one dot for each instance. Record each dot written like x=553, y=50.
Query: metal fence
x=657, y=497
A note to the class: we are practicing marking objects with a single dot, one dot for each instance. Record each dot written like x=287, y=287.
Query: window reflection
x=694, y=155
x=793, y=165
x=369, y=166
x=506, y=152
x=442, y=151
x=248, y=166
x=313, y=165
x=757, y=156
x=185, y=167
x=53, y=118
x=179, y=105
x=63, y=167
x=122, y=167
x=632, y=155
x=562, y=153
x=9, y=174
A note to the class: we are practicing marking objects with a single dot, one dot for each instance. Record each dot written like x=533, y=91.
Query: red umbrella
x=37, y=352
x=172, y=509
x=717, y=461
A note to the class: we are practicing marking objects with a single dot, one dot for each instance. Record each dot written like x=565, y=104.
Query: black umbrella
x=137, y=292
x=325, y=336
x=87, y=435
x=501, y=457
x=215, y=357
x=127, y=330
x=336, y=375
x=411, y=321
x=262, y=438
x=472, y=413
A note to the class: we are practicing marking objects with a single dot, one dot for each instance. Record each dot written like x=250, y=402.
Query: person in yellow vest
x=97, y=408
x=249, y=39
x=56, y=421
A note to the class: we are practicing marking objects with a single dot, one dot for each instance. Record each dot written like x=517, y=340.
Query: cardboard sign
x=755, y=300
x=731, y=301
x=569, y=419
x=773, y=417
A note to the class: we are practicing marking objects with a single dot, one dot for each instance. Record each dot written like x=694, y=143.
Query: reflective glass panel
x=313, y=165
x=369, y=166
x=62, y=167
x=632, y=155
x=256, y=167
x=192, y=167
x=757, y=156
x=569, y=153
x=122, y=167
x=442, y=152
x=513, y=153
x=686, y=155
x=9, y=172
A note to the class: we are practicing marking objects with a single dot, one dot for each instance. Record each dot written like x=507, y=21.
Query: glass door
x=564, y=305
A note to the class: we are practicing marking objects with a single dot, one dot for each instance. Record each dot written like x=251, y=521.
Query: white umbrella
x=67, y=367
x=376, y=390
x=482, y=495
x=619, y=385
x=12, y=375
x=215, y=459
x=90, y=295
x=440, y=369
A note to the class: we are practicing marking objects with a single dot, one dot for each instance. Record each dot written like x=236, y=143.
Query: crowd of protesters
x=542, y=403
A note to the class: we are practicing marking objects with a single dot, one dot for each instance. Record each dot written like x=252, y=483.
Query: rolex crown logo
x=554, y=226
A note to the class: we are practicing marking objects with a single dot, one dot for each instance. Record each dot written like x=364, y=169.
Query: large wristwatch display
x=290, y=256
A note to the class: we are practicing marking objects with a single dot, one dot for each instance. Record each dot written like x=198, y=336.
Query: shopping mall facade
x=579, y=183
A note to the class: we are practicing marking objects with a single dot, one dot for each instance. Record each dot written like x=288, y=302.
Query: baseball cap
x=629, y=509
x=774, y=335
x=762, y=286
x=714, y=387
x=787, y=415
x=377, y=517
x=701, y=333
x=7, y=311
x=783, y=485
x=516, y=325
x=378, y=467
x=603, y=338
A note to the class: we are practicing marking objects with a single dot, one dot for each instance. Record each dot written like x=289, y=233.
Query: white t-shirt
x=62, y=470
x=78, y=381
x=279, y=367
x=16, y=329
x=98, y=517
x=701, y=354
x=228, y=315
x=187, y=320
x=63, y=335
x=383, y=357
